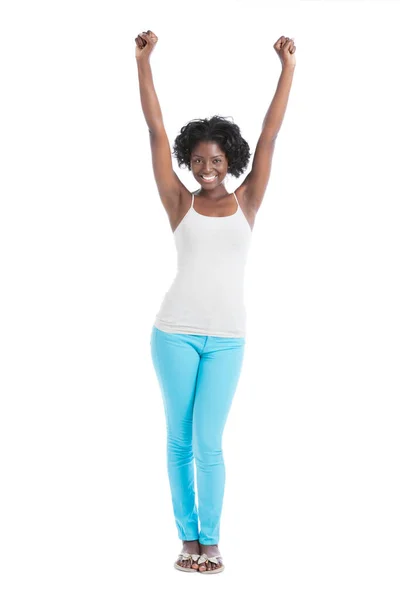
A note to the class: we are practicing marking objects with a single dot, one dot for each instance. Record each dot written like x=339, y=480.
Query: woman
x=198, y=336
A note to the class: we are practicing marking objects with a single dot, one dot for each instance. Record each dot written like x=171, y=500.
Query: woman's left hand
x=285, y=49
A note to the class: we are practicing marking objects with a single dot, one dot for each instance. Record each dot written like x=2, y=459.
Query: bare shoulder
x=247, y=208
x=178, y=206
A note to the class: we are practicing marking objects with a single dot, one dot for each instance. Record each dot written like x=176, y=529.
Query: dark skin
x=174, y=195
x=211, y=199
x=208, y=159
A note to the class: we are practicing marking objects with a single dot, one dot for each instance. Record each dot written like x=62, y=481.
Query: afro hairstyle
x=216, y=129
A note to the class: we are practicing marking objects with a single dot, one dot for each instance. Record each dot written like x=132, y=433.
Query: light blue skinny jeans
x=198, y=376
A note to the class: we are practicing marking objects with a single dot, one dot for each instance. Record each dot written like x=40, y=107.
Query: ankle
x=191, y=545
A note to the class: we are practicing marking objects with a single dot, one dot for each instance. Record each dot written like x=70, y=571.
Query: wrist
x=143, y=61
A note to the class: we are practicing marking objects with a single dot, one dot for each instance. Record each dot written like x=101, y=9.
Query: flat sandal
x=187, y=556
x=214, y=559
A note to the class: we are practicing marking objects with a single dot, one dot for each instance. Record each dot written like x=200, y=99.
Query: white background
x=311, y=445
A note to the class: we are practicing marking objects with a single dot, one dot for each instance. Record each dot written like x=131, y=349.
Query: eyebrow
x=211, y=157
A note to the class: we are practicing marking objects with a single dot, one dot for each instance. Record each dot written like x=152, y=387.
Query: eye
x=216, y=159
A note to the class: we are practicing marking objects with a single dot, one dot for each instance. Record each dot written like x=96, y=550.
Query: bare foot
x=210, y=550
x=191, y=547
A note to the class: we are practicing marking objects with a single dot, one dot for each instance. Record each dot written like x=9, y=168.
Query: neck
x=217, y=193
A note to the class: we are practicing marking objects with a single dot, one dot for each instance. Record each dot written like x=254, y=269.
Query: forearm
x=148, y=97
x=274, y=117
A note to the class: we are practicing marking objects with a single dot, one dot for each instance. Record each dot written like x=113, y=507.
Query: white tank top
x=207, y=294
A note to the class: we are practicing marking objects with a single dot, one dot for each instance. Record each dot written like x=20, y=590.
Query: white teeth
x=208, y=178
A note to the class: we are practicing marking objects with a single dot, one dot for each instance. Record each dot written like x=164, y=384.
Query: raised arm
x=256, y=181
x=168, y=183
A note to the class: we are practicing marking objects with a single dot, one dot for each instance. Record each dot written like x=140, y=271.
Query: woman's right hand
x=145, y=42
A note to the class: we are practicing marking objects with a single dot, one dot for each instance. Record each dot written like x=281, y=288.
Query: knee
x=180, y=445
x=207, y=453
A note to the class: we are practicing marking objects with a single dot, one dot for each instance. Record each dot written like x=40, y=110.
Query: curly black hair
x=216, y=129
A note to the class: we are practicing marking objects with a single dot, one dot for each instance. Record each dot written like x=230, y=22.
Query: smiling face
x=208, y=160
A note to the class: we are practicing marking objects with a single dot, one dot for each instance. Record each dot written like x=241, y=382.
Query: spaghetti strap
x=236, y=198
x=192, y=200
